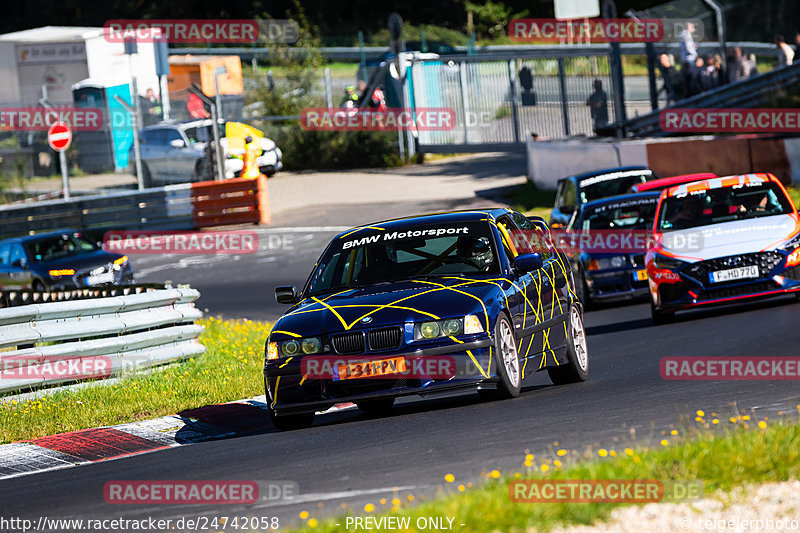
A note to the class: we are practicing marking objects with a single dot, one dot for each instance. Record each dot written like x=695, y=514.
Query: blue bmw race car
x=425, y=305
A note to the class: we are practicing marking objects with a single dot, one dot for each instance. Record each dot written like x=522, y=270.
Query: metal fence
x=137, y=330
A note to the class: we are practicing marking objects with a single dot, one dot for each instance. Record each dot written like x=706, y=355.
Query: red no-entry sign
x=59, y=136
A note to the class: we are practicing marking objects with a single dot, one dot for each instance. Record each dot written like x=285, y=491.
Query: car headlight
x=472, y=325
x=290, y=348
x=452, y=327
x=429, y=330
x=662, y=261
x=62, y=272
x=118, y=263
x=272, y=351
x=311, y=345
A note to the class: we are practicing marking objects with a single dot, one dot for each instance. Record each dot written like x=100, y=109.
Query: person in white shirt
x=785, y=52
x=688, y=55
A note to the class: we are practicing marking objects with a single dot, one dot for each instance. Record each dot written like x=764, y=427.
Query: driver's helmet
x=476, y=249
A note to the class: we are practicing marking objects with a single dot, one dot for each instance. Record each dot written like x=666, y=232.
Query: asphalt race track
x=350, y=458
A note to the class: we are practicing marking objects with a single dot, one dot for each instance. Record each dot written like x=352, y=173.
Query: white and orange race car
x=720, y=240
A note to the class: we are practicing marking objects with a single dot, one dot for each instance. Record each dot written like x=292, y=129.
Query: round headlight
x=311, y=345
x=290, y=347
x=429, y=330
x=451, y=327
x=618, y=261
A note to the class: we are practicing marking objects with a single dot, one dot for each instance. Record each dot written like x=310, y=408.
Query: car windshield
x=59, y=247
x=370, y=256
x=612, y=184
x=626, y=214
x=712, y=206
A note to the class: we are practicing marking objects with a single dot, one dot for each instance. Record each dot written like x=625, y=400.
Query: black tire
x=509, y=369
x=583, y=292
x=576, y=369
x=661, y=317
x=291, y=422
x=376, y=407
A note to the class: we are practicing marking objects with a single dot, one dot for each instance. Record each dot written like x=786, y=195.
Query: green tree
x=491, y=19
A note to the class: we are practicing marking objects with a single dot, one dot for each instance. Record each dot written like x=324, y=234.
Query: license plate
x=640, y=275
x=734, y=274
x=370, y=369
x=107, y=277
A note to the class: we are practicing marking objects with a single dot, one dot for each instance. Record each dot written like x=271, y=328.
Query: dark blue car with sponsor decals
x=465, y=289
x=615, y=269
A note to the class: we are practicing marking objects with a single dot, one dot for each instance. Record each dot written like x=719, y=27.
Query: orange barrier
x=234, y=201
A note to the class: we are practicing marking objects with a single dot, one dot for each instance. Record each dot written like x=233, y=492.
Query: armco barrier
x=175, y=207
x=549, y=161
x=142, y=329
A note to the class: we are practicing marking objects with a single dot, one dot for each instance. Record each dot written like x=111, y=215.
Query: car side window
x=17, y=253
x=566, y=200
x=172, y=135
x=532, y=237
x=5, y=253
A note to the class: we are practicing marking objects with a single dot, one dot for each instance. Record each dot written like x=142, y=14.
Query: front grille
x=351, y=342
x=351, y=387
x=765, y=261
x=385, y=338
x=792, y=273
x=739, y=290
x=638, y=260
x=669, y=292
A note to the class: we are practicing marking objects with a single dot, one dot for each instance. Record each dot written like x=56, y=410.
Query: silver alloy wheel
x=508, y=350
x=579, y=339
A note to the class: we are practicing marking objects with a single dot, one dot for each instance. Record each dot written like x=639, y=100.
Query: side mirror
x=19, y=263
x=528, y=262
x=286, y=294
x=177, y=143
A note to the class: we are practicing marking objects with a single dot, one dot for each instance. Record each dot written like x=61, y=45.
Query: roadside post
x=137, y=151
x=194, y=89
x=59, y=137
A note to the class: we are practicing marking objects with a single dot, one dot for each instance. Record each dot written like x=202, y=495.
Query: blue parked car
x=57, y=260
x=574, y=191
x=384, y=300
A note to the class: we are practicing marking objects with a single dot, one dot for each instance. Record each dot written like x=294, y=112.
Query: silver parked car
x=175, y=152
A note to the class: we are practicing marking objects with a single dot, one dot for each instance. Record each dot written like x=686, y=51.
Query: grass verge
x=231, y=369
x=723, y=454
x=528, y=199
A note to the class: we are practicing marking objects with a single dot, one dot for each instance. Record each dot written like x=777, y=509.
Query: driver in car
x=475, y=251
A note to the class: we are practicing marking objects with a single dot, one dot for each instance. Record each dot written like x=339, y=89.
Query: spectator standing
x=688, y=55
x=598, y=105
x=785, y=52
x=709, y=74
x=673, y=83
x=695, y=77
x=740, y=67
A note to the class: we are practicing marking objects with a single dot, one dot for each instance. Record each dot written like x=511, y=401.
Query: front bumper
x=689, y=293
x=290, y=392
x=616, y=285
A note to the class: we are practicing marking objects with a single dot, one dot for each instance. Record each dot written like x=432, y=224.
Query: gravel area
x=772, y=507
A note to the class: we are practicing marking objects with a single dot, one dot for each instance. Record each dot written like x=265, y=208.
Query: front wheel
x=576, y=369
x=660, y=317
x=508, y=367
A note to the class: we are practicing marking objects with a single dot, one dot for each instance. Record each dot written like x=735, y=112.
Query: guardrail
x=183, y=206
x=746, y=93
x=140, y=329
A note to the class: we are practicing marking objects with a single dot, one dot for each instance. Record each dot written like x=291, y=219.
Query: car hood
x=393, y=304
x=78, y=262
x=731, y=238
